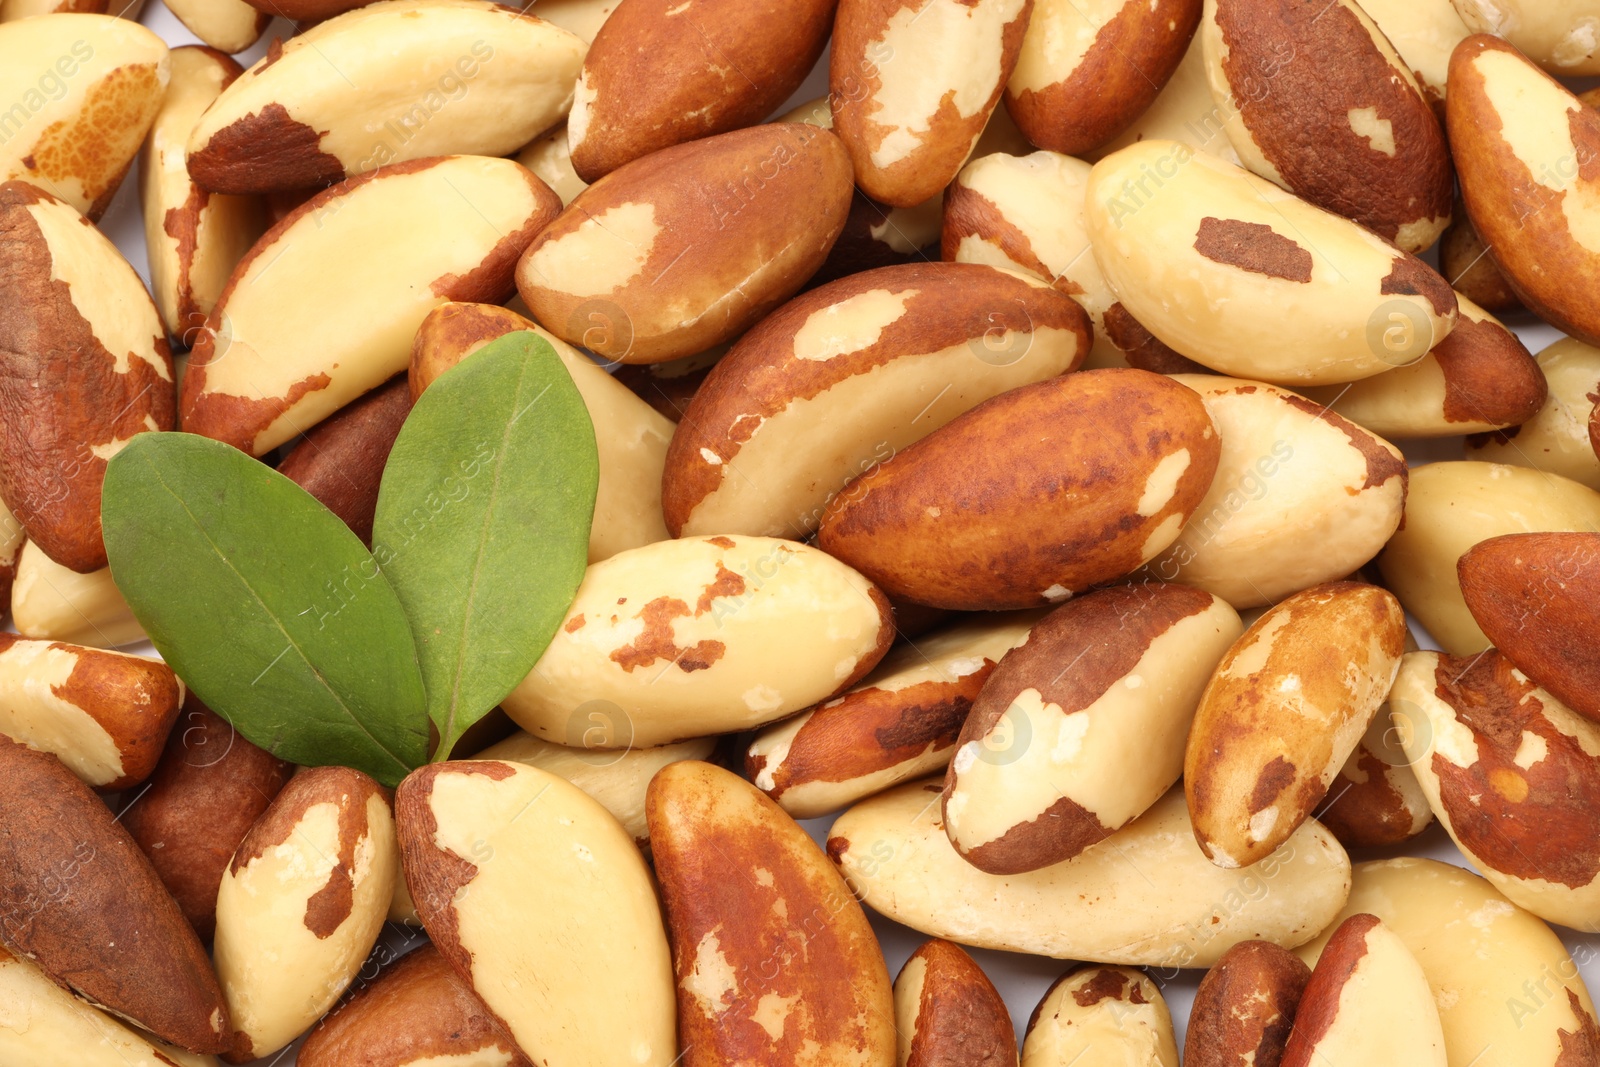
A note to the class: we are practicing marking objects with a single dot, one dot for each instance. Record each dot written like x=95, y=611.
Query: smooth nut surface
x=948, y=1014
x=1424, y=33
x=51, y=602
x=1559, y=36
x=1554, y=438
x=1244, y=1007
x=1184, y=111
x=1101, y=1014
x=1375, y=799
x=229, y=26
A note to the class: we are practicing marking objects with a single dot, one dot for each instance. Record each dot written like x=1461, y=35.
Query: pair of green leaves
x=324, y=653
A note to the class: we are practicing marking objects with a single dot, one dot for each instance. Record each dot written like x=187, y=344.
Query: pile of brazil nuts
x=998, y=409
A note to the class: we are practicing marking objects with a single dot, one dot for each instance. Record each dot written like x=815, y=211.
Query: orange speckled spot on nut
x=94, y=147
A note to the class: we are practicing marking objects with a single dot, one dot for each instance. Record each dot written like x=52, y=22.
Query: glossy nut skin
x=1068, y=526
x=1183, y=111
x=776, y=964
x=1101, y=1014
x=948, y=1013
x=1554, y=438
x=1244, y=1007
x=340, y=462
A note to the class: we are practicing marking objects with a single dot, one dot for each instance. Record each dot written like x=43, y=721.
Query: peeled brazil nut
x=1536, y=597
x=1244, y=1007
x=1561, y=36
x=616, y=777
x=81, y=90
x=81, y=901
x=296, y=334
x=582, y=17
x=695, y=636
x=104, y=714
x=1507, y=992
x=207, y=792
x=12, y=538
x=1291, y=474
x=229, y=26
x=948, y=1014
x=1318, y=101
x=1081, y=727
x=913, y=84
x=1096, y=1014
x=550, y=159
x=193, y=238
x=1514, y=776
x=1036, y=459
x=84, y=365
x=43, y=1025
x=848, y=376
x=720, y=65
x=416, y=1013
x=394, y=81
x=1184, y=912
x=538, y=898
x=1375, y=799
x=631, y=438
x=301, y=904
x=1087, y=71
x=1284, y=710
x=1424, y=33
x=1368, y=1001
x=1555, y=437
x=1479, y=378
x=898, y=723
x=51, y=602
x=759, y=207
x=776, y=964
x=1213, y=260
x=1465, y=261
x=1524, y=148
x=1455, y=505
x=1183, y=111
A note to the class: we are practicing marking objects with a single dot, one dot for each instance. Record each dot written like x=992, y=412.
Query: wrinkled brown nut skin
x=340, y=462
x=1537, y=597
x=416, y=1008
x=1143, y=349
x=79, y=899
x=208, y=790
x=1489, y=374
x=1245, y=1007
x=1465, y=262
x=958, y=1018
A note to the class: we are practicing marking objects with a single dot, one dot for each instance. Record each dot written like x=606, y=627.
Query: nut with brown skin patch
x=1244, y=1007
x=340, y=462
x=1183, y=111
x=1375, y=800
x=229, y=26
x=1284, y=710
x=776, y=964
x=301, y=904
x=1554, y=437
x=1424, y=33
x=1465, y=262
x=1098, y=1012
x=948, y=1013
x=1045, y=764
x=78, y=898
x=207, y=792
x=1090, y=474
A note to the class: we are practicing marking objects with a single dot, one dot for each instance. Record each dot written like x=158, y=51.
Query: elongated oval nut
x=1185, y=912
x=1465, y=262
x=43, y=1025
x=272, y=360
x=1184, y=111
x=848, y=376
x=105, y=715
x=416, y=1012
x=618, y=779
x=759, y=208
x=82, y=91
x=1081, y=727
x=229, y=26
x=1367, y=1002
x=631, y=438
x=1514, y=776
x=1036, y=456
x=391, y=82
x=1211, y=259
x=1507, y=992
x=691, y=637
x=49, y=601
x=1284, y=710
x=776, y=964
x=1086, y=71
x=340, y=462
x=1479, y=378
x=1555, y=437
x=301, y=905
x=1561, y=37
x=1453, y=506
x=948, y=1014
x=898, y=723
x=720, y=65
x=1291, y=474
x=538, y=898
x=84, y=365
x=193, y=238
x=550, y=159
x=1423, y=33
x=1280, y=69
x=1244, y=1007
x=1375, y=799
x=912, y=86
x=207, y=792
x=1098, y=1014
x=81, y=901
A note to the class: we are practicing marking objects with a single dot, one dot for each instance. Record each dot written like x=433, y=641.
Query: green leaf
x=483, y=522
x=266, y=604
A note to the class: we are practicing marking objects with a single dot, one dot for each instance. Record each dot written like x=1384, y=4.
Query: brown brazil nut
x=1554, y=437
x=1375, y=799
x=948, y=1013
x=1244, y=1007
x=1039, y=457
x=1465, y=262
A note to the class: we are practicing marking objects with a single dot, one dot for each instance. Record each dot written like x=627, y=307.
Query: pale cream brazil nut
x=1424, y=33
x=229, y=26
x=1183, y=111
x=1099, y=1014
x=1562, y=36
x=52, y=602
